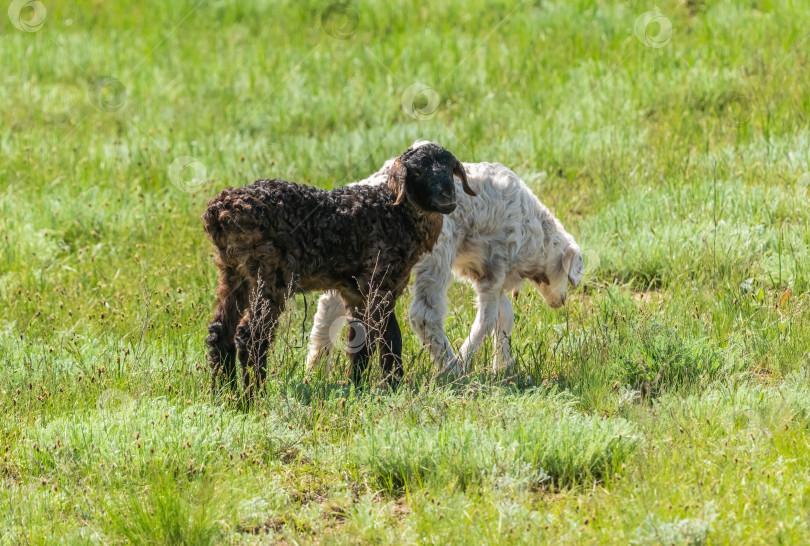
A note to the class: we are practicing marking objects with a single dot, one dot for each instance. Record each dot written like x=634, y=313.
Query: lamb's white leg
x=330, y=310
x=429, y=306
x=503, y=333
x=488, y=298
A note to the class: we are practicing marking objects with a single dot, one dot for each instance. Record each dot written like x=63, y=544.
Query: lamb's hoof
x=452, y=367
x=214, y=332
x=242, y=337
x=313, y=360
x=320, y=362
x=504, y=365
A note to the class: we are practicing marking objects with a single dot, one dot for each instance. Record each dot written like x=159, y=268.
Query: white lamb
x=494, y=241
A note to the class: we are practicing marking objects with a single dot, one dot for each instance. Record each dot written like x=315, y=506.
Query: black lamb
x=276, y=238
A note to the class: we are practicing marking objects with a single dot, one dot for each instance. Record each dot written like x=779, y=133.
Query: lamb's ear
x=397, y=175
x=458, y=170
x=573, y=264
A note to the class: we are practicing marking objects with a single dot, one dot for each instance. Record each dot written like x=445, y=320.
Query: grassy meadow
x=667, y=403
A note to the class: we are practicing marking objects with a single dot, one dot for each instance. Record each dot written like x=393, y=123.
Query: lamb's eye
x=416, y=172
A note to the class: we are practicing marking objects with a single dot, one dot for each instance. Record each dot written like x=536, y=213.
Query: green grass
x=666, y=403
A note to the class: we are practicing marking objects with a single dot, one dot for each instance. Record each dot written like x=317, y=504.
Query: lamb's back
x=310, y=229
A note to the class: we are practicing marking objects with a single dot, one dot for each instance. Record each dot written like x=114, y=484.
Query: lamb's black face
x=430, y=178
x=426, y=174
